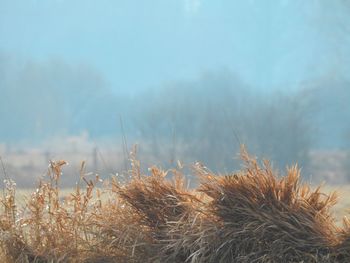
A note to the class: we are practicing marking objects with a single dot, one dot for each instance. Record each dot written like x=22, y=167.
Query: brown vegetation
x=250, y=216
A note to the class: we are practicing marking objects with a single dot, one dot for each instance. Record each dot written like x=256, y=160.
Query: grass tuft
x=252, y=215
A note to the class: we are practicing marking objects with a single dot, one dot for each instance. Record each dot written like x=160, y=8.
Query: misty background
x=186, y=80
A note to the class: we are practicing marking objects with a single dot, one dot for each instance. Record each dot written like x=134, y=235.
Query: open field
x=340, y=209
x=248, y=216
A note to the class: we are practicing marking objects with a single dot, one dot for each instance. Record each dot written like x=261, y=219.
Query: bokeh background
x=186, y=80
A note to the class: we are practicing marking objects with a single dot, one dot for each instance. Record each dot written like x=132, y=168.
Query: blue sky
x=138, y=44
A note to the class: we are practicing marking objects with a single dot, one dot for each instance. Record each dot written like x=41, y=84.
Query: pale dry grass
x=250, y=216
x=342, y=207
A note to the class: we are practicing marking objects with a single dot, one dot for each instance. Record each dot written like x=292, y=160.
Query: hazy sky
x=137, y=44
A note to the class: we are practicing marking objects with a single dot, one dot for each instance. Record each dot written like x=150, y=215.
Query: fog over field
x=185, y=80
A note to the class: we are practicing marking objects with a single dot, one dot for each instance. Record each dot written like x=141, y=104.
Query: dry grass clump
x=157, y=203
x=48, y=229
x=343, y=249
x=12, y=246
x=249, y=216
x=258, y=217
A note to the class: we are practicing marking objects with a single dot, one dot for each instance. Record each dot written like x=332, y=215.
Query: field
x=248, y=216
x=340, y=209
